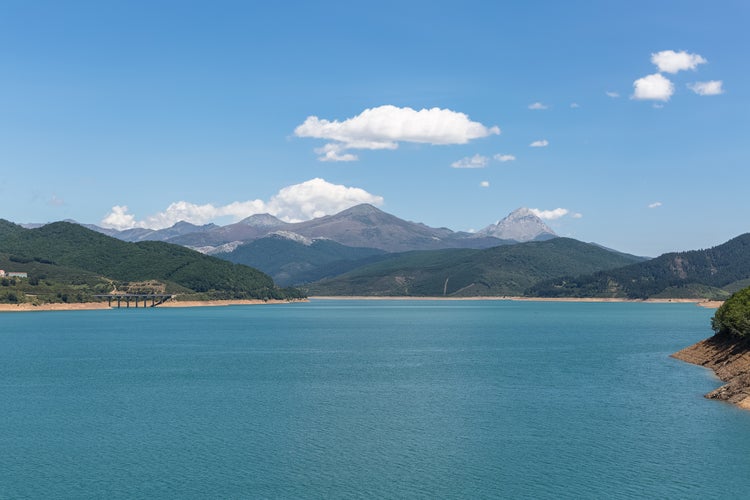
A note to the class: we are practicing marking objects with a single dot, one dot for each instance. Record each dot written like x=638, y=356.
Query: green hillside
x=499, y=271
x=61, y=255
x=292, y=262
x=713, y=273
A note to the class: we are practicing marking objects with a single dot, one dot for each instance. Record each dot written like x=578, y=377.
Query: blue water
x=355, y=399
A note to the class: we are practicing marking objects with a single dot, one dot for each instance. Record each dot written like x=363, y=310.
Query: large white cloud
x=384, y=127
x=550, y=214
x=653, y=87
x=712, y=87
x=669, y=61
x=310, y=199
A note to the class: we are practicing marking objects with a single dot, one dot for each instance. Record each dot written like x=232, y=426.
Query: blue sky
x=145, y=113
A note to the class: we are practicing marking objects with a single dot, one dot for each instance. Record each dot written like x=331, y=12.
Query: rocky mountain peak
x=520, y=225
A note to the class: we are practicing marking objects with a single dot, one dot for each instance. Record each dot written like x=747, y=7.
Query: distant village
x=12, y=274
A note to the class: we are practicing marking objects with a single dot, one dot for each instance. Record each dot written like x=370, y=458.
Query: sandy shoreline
x=713, y=304
x=91, y=306
x=87, y=306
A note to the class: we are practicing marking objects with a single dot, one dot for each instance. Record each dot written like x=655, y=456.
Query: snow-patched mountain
x=520, y=225
x=358, y=226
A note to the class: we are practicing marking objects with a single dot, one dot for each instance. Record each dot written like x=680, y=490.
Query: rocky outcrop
x=729, y=357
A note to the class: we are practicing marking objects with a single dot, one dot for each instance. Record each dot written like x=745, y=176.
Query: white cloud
x=56, y=201
x=550, y=214
x=331, y=152
x=503, y=158
x=653, y=87
x=476, y=161
x=310, y=199
x=669, y=61
x=655, y=204
x=538, y=105
x=613, y=95
x=316, y=198
x=575, y=105
x=118, y=218
x=577, y=215
x=712, y=87
x=543, y=143
x=485, y=184
x=384, y=127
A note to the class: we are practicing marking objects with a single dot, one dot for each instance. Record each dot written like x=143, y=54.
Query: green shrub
x=733, y=317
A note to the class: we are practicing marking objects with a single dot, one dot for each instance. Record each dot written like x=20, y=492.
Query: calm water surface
x=363, y=399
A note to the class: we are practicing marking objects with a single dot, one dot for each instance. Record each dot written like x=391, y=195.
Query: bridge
x=144, y=298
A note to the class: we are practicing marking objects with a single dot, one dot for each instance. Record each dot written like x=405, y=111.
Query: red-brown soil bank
x=729, y=358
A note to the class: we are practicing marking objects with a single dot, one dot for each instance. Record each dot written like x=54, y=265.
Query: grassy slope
x=711, y=273
x=504, y=270
x=291, y=262
x=71, y=246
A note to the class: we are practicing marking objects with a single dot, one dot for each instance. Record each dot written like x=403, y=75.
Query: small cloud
x=653, y=87
x=669, y=61
x=331, y=152
x=574, y=105
x=577, y=215
x=613, y=95
x=503, y=158
x=658, y=106
x=476, y=161
x=54, y=201
x=543, y=143
x=538, y=105
x=712, y=87
x=655, y=204
x=485, y=184
x=550, y=214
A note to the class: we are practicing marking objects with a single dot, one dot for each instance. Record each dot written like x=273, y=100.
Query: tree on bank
x=733, y=317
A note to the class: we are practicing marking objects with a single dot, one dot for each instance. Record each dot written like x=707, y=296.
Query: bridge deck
x=155, y=298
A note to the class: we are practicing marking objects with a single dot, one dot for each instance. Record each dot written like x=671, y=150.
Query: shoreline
x=711, y=304
x=729, y=358
x=92, y=306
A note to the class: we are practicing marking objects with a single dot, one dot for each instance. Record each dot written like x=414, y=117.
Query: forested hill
x=73, y=247
x=713, y=273
x=499, y=271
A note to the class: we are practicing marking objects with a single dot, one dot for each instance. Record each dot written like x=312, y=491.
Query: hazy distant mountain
x=367, y=226
x=359, y=226
x=520, y=225
x=144, y=234
x=263, y=221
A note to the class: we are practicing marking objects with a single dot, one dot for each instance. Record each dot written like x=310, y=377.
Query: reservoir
x=365, y=399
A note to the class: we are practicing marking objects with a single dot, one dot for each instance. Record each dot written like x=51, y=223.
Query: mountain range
x=365, y=251
x=302, y=252
x=359, y=226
